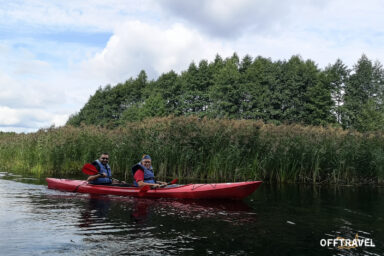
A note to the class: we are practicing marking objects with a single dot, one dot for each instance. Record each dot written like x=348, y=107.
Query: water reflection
x=141, y=209
x=276, y=220
x=98, y=208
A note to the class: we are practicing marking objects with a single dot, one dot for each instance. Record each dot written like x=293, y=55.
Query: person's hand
x=115, y=181
x=155, y=185
x=162, y=184
x=93, y=177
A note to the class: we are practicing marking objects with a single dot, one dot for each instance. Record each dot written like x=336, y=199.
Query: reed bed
x=205, y=149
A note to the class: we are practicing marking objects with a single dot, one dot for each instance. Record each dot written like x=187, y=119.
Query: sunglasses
x=104, y=158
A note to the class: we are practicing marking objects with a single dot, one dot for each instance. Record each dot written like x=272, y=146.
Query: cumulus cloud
x=34, y=93
x=97, y=15
x=29, y=107
x=48, y=72
x=320, y=30
x=139, y=46
x=26, y=81
x=29, y=118
x=231, y=18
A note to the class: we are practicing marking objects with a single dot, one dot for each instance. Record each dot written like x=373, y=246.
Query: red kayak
x=235, y=190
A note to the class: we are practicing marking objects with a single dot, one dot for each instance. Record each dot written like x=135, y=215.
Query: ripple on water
x=50, y=222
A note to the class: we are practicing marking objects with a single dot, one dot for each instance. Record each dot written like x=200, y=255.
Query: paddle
x=145, y=188
x=89, y=169
x=172, y=182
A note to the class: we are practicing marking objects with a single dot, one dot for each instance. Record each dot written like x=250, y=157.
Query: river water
x=275, y=220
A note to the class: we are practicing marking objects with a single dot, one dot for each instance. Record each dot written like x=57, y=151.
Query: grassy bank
x=188, y=147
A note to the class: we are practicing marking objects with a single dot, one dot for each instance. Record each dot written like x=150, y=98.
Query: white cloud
x=97, y=15
x=29, y=118
x=139, y=46
x=320, y=30
x=34, y=93
x=231, y=18
x=8, y=116
x=45, y=75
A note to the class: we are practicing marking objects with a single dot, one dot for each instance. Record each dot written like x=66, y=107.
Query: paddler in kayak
x=104, y=177
x=143, y=174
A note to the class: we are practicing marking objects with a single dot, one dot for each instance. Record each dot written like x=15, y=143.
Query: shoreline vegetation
x=205, y=149
x=232, y=119
x=293, y=91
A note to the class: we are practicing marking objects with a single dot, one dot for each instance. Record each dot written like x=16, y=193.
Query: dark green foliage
x=194, y=87
x=336, y=76
x=106, y=106
x=363, y=101
x=318, y=104
x=289, y=91
x=225, y=92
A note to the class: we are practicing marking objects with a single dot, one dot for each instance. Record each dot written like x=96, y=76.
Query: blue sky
x=55, y=54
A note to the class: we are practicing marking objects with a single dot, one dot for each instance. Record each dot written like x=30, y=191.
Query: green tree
x=169, y=87
x=245, y=63
x=131, y=114
x=195, y=83
x=319, y=104
x=225, y=94
x=293, y=91
x=256, y=82
x=153, y=106
x=336, y=76
x=106, y=106
x=363, y=101
x=296, y=78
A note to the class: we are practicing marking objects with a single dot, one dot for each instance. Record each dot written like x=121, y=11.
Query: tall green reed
x=194, y=148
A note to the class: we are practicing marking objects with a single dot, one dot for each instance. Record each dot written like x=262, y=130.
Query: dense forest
x=278, y=92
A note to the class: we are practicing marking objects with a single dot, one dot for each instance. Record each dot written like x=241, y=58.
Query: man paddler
x=104, y=177
x=143, y=174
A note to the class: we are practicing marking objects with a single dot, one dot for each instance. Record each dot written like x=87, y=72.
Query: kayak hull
x=235, y=190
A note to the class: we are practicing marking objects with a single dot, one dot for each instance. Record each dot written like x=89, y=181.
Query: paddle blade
x=89, y=169
x=173, y=181
x=144, y=189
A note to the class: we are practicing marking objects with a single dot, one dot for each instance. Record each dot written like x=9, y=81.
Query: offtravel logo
x=345, y=243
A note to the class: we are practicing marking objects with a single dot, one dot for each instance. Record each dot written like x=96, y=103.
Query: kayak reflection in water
x=97, y=209
x=141, y=208
x=143, y=174
x=104, y=177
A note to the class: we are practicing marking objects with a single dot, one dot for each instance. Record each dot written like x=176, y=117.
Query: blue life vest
x=105, y=170
x=149, y=177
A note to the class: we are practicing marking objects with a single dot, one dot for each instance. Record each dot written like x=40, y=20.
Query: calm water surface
x=275, y=220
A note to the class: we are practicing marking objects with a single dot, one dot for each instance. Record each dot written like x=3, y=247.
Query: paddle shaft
x=145, y=188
